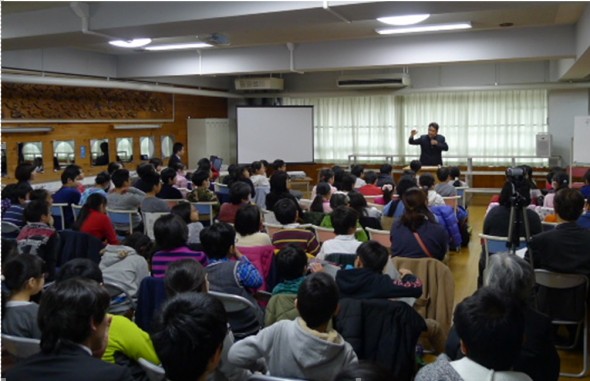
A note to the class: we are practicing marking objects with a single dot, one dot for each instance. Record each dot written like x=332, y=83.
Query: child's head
x=344, y=220
x=218, y=240
x=41, y=194
x=560, y=180
x=185, y=275
x=442, y=174
x=120, y=178
x=71, y=174
x=103, y=180
x=339, y=199
x=455, y=172
x=168, y=176
x=239, y=192
x=285, y=211
x=37, y=211
x=323, y=190
x=291, y=262
x=370, y=177
x=373, y=256
x=326, y=176
x=25, y=272
x=317, y=299
x=415, y=165
x=142, y=244
x=388, y=190
x=348, y=181
x=144, y=169
x=357, y=170
x=186, y=212
x=20, y=193
x=258, y=168
x=170, y=232
x=247, y=220
x=157, y=163
x=279, y=165
x=279, y=182
x=188, y=335
x=357, y=202
x=152, y=179
x=113, y=166
x=79, y=268
x=426, y=181
x=200, y=178
x=386, y=169
x=24, y=172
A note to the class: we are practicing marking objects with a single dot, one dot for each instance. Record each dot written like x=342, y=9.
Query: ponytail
x=93, y=202
x=17, y=272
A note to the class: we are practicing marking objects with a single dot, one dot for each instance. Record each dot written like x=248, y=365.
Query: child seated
x=286, y=213
x=304, y=348
x=23, y=277
x=367, y=281
x=201, y=191
x=344, y=220
x=190, y=215
x=38, y=237
x=230, y=272
x=342, y=199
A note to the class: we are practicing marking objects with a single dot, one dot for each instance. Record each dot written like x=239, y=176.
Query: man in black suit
x=177, y=152
x=431, y=145
x=74, y=335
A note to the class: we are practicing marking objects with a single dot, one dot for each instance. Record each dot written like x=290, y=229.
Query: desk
x=301, y=182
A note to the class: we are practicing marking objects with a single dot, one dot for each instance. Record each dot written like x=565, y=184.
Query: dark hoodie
x=362, y=283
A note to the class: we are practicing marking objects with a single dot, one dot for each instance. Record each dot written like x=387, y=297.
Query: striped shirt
x=163, y=258
x=299, y=237
x=14, y=214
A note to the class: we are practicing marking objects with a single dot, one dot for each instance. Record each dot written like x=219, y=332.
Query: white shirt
x=341, y=244
x=469, y=370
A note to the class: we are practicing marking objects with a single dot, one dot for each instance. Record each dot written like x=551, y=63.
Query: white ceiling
x=327, y=36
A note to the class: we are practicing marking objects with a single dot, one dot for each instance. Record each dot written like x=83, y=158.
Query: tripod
x=518, y=218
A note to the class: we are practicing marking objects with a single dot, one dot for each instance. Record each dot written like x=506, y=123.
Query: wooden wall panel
x=185, y=106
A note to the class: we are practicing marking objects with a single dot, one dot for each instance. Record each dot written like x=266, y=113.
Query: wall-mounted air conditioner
x=259, y=84
x=395, y=80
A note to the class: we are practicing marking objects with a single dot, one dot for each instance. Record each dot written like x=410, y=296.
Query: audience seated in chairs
x=190, y=215
x=38, y=237
x=197, y=352
x=395, y=207
x=102, y=182
x=74, y=325
x=93, y=220
x=125, y=197
x=168, y=191
x=342, y=199
x=18, y=195
x=426, y=181
x=171, y=234
x=445, y=187
x=126, y=341
x=239, y=194
x=279, y=189
x=326, y=176
x=417, y=234
x=69, y=193
x=258, y=176
x=560, y=180
x=385, y=175
x=189, y=276
x=201, y=191
x=248, y=226
x=127, y=264
x=490, y=326
x=231, y=276
x=151, y=203
x=345, y=220
x=286, y=213
x=370, y=189
x=144, y=170
x=368, y=216
x=24, y=277
x=538, y=358
x=304, y=348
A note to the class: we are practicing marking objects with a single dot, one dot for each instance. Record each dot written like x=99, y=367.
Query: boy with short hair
x=37, y=236
x=201, y=192
x=286, y=213
x=444, y=187
x=304, y=348
x=69, y=193
x=344, y=221
x=18, y=201
x=370, y=189
x=125, y=197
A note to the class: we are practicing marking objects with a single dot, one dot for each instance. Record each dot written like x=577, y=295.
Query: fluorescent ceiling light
x=135, y=43
x=403, y=20
x=26, y=130
x=192, y=45
x=135, y=126
x=425, y=28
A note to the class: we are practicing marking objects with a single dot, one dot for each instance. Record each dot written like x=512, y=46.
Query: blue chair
x=205, y=209
x=58, y=213
x=122, y=219
x=495, y=244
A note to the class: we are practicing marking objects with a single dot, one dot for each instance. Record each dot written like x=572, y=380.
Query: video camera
x=515, y=175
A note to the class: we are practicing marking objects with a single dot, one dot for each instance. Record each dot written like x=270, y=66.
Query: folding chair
x=205, y=209
x=323, y=234
x=222, y=192
x=57, y=211
x=20, y=347
x=305, y=203
x=235, y=304
x=269, y=216
x=152, y=371
x=452, y=201
x=271, y=229
x=149, y=219
x=381, y=236
x=461, y=194
x=371, y=198
x=121, y=300
x=122, y=218
x=9, y=230
x=76, y=210
x=496, y=244
x=562, y=281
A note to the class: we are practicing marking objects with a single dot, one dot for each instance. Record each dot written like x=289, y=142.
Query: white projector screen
x=275, y=132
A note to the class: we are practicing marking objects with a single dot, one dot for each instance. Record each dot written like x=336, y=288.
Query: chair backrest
x=551, y=279
x=496, y=244
x=376, y=206
x=57, y=211
x=269, y=216
x=272, y=228
x=152, y=371
x=20, y=347
x=323, y=234
x=121, y=300
x=149, y=219
x=381, y=236
x=371, y=198
x=305, y=203
x=9, y=230
x=76, y=210
x=562, y=311
x=452, y=201
x=122, y=218
x=233, y=303
x=205, y=209
x=173, y=202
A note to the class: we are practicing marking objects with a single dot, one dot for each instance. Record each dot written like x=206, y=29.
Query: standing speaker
x=543, y=147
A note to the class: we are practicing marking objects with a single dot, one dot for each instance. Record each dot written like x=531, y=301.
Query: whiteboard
x=277, y=132
x=581, y=153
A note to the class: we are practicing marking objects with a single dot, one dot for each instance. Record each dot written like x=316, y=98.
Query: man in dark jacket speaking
x=431, y=145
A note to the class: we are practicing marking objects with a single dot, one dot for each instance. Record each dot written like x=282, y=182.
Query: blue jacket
x=584, y=220
x=446, y=216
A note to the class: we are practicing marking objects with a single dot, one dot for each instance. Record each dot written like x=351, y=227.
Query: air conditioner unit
x=259, y=84
x=395, y=80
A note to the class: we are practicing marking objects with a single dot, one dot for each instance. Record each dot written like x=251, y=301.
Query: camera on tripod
x=515, y=175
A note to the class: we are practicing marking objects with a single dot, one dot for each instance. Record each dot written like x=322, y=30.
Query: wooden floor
x=464, y=266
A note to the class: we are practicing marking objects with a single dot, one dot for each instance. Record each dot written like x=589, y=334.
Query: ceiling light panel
x=403, y=20
x=193, y=45
x=425, y=28
x=135, y=43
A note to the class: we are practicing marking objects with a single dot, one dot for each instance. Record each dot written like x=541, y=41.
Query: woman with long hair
x=93, y=220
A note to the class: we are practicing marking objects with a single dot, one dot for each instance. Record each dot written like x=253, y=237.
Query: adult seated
x=538, y=358
x=490, y=325
x=239, y=195
x=417, y=234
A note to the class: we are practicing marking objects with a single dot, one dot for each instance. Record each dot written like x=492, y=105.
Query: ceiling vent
x=259, y=84
x=371, y=81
